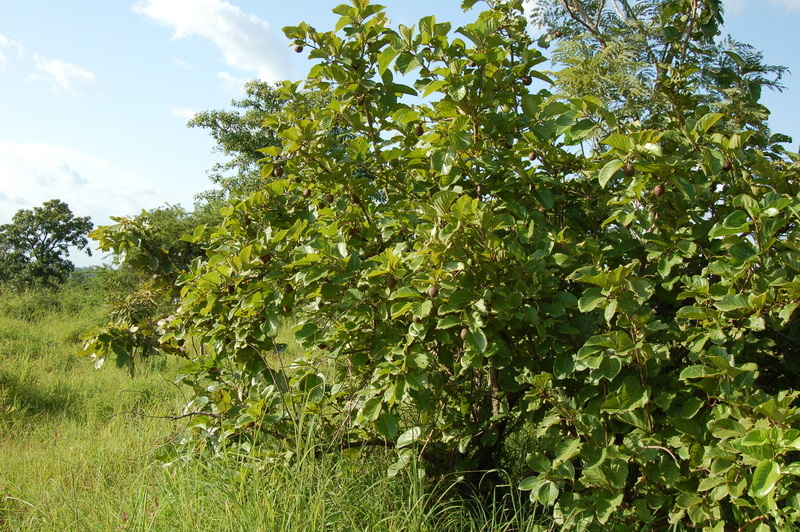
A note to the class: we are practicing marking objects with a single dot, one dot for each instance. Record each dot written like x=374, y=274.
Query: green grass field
x=82, y=450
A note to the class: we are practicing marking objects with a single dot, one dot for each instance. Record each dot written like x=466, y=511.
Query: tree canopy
x=483, y=265
x=33, y=247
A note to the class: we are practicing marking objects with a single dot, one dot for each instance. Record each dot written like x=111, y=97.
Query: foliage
x=465, y=269
x=33, y=245
x=240, y=135
x=151, y=250
x=648, y=58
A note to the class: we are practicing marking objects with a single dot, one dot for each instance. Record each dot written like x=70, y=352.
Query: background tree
x=644, y=58
x=33, y=247
x=241, y=136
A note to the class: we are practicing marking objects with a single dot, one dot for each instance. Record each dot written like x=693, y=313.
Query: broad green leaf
x=408, y=437
x=765, y=477
x=608, y=171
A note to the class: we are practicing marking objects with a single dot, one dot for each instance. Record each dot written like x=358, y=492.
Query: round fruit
x=323, y=346
x=306, y=192
x=360, y=100
x=266, y=257
x=277, y=171
x=419, y=131
x=391, y=282
x=288, y=288
x=433, y=291
x=532, y=155
x=527, y=80
x=658, y=190
x=416, y=319
x=727, y=165
x=464, y=333
x=287, y=309
x=557, y=34
x=329, y=198
x=298, y=48
x=629, y=170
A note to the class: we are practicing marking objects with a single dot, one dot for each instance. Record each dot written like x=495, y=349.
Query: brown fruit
x=323, y=346
x=329, y=198
x=277, y=171
x=306, y=192
x=266, y=257
x=727, y=165
x=464, y=333
x=298, y=48
x=181, y=341
x=287, y=309
x=391, y=282
x=629, y=170
x=360, y=100
x=532, y=155
x=557, y=34
x=433, y=291
x=527, y=80
x=416, y=319
x=288, y=288
x=473, y=64
x=658, y=190
x=419, y=131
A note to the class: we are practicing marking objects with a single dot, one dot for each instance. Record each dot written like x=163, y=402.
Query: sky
x=95, y=94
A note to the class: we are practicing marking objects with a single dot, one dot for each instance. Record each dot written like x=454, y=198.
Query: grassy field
x=82, y=449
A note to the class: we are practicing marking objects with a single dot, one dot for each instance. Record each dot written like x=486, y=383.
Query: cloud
x=8, y=43
x=790, y=5
x=183, y=64
x=231, y=83
x=183, y=112
x=31, y=174
x=245, y=41
x=738, y=6
x=62, y=75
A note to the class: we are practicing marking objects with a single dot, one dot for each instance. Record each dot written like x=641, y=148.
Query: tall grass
x=81, y=450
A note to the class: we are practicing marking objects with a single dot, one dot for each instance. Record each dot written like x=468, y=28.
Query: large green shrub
x=465, y=268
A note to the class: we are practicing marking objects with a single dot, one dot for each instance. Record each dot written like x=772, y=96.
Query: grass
x=80, y=450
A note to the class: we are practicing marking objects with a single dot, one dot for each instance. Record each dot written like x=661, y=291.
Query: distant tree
x=33, y=247
x=242, y=136
x=645, y=58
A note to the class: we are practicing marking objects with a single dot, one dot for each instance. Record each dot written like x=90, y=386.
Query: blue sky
x=95, y=95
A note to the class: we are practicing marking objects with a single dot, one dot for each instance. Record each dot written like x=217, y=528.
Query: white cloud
x=245, y=41
x=231, y=83
x=737, y=6
x=791, y=5
x=31, y=174
x=183, y=64
x=183, y=112
x=63, y=75
x=5, y=42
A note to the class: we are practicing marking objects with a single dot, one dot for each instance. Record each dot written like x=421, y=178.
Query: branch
x=188, y=414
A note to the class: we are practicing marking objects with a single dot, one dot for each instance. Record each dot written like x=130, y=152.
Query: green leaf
x=765, y=477
x=608, y=171
x=591, y=299
x=387, y=425
x=732, y=302
x=707, y=122
x=408, y=437
x=620, y=142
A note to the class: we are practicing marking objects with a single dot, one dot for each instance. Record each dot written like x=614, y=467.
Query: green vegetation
x=33, y=245
x=84, y=450
x=491, y=289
